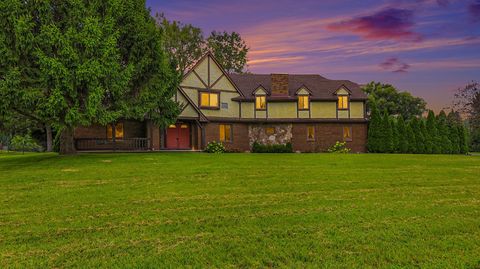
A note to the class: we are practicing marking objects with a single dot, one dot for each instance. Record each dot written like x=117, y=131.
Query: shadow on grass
x=15, y=160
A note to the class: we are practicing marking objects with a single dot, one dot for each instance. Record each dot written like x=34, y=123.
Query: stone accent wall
x=258, y=133
x=279, y=84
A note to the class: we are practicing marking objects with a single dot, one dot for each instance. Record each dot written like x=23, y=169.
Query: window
x=347, y=133
x=310, y=133
x=118, y=131
x=343, y=102
x=225, y=132
x=303, y=102
x=209, y=99
x=269, y=131
x=261, y=102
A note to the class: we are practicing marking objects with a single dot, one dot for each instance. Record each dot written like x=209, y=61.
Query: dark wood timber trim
x=216, y=81
x=201, y=80
x=208, y=72
x=286, y=120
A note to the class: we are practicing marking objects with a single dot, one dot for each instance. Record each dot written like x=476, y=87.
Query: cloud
x=395, y=65
x=442, y=3
x=390, y=23
x=474, y=10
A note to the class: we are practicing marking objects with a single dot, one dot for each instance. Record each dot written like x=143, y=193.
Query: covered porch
x=131, y=136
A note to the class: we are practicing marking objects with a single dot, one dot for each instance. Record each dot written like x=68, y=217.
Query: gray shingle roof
x=320, y=87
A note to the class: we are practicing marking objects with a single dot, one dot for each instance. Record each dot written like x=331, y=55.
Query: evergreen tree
x=424, y=133
x=433, y=144
x=454, y=120
x=387, y=133
x=419, y=139
x=462, y=137
x=411, y=139
x=443, y=132
x=395, y=135
x=402, y=135
x=374, y=128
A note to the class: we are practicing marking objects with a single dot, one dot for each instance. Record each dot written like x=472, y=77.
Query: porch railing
x=127, y=144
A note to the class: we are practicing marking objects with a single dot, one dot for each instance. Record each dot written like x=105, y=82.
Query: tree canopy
x=467, y=102
x=387, y=97
x=230, y=50
x=88, y=62
x=184, y=43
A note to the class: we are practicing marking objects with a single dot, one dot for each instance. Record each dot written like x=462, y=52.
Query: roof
x=321, y=88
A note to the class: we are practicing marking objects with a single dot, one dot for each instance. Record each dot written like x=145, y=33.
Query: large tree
x=22, y=94
x=230, y=50
x=467, y=102
x=184, y=42
x=94, y=62
x=388, y=98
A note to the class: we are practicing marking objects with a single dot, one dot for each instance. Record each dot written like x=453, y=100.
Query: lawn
x=239, y=210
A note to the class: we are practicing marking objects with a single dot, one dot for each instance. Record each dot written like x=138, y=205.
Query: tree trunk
x=48, y=131
x=67, y=143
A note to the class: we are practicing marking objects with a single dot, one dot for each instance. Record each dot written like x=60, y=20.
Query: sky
x=427, y=47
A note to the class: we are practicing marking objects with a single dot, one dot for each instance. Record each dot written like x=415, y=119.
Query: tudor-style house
x=309, y=111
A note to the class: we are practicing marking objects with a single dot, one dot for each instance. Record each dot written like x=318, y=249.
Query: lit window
x=118, y=131
x=172, y=126
x=225, y=132
x=347, y=133
x=184, y=126
x=303, y=102
x=261, y=102
x=269, y=130
x=209, y=99
x=342, y=102
x=311, y=133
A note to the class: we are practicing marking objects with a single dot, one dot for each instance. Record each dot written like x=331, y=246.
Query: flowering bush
x=215, y=147
x=339, y=147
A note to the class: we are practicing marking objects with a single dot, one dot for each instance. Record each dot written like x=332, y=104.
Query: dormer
x=303, y=98
x=260, y=98
x=343, y=98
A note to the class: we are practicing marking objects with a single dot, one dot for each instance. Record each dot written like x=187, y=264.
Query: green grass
x=239, y=210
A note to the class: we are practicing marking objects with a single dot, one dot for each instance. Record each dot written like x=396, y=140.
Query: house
x=309, y=111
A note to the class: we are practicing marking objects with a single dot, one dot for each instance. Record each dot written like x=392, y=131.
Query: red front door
x=178, y=136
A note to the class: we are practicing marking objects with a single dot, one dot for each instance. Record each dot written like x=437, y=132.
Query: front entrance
x=178, y=136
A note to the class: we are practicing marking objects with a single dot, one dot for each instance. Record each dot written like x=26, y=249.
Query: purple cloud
x=389, y=23
x=395, y=65
x=442, y=3
x=474, y=9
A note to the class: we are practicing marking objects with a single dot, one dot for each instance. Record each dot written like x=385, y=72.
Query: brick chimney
x=279, y=84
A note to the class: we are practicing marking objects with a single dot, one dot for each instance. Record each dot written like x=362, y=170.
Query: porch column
x=153, y=132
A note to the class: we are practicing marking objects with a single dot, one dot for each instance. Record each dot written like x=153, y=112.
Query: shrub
x=276, y=148
x=339, y=147
x=215, y=147
x=24, y=143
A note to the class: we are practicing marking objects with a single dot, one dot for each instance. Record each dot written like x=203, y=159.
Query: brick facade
x=326, y=135
x=240, y=140
x=131, y=129
x=279, y=84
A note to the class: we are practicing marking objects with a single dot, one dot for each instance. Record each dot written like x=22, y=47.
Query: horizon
x=426, y=47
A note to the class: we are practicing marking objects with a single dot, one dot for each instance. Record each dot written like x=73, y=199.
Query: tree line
x=441, y=134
